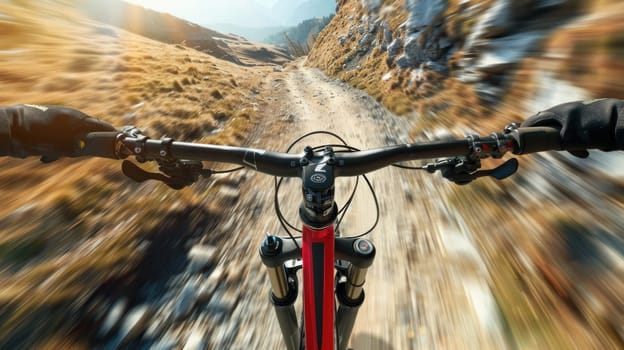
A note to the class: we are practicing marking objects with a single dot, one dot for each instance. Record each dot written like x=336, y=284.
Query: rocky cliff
x=552, y=236
x=460, y=59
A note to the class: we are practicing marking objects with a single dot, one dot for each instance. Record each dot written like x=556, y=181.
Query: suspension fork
x=317, y=253
x=360, y=254
x=274, y=252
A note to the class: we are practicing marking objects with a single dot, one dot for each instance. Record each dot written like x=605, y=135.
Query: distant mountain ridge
x=262, y=21
x=300, y=34
x=173, y=30
x=251, y=33
x=312, y=9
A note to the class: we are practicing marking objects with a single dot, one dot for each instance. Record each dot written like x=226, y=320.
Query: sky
x=211, y=11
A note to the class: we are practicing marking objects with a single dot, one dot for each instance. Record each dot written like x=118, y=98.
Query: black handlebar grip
x=536, y=139
x=100, y=144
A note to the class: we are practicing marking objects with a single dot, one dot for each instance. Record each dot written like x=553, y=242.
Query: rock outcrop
x=502, y=36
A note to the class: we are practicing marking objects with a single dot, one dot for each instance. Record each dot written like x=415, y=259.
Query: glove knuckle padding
x=50, y=129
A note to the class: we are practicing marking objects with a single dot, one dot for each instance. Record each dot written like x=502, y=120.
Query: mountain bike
x=333, y=267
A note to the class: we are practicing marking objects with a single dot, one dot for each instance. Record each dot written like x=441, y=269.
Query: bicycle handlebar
x=107, y=145
x=119, y=145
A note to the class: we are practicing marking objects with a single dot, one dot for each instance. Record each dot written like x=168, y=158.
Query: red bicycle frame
x=321, y=253
x=317, y=252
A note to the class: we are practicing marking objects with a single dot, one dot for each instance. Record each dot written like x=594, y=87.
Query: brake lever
x=502, y=171
x=137, y=174
x=177, y=176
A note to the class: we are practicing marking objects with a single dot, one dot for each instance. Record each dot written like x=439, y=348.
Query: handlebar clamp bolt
x=303, y=161
x=309, y=151
x=137, y=150
x=163, y=153
x=511, y=127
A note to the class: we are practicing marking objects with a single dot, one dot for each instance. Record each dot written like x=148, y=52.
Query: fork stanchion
x=350, y=293
x=356, y=278
x=279, y=283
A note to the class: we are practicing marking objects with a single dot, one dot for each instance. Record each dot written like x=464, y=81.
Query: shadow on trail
x=582, y=246
x=164, y=258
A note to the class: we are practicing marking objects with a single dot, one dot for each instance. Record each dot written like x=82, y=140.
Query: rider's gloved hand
x=585, y=125
x=47, y=131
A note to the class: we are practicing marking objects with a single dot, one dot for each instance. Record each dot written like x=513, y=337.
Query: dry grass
x=70, y=226
x=542, y=299
x=594, y=49
x=435, y=99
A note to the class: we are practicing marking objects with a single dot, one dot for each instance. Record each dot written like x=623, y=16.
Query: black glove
x=48, y=131
x=585, y=125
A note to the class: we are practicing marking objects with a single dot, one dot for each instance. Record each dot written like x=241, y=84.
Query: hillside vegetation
x=172, y=30
x=73, y=226
x=453, y=66
x=553, y=234
x=300, y=39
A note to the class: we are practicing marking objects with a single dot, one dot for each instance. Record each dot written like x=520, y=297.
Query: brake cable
x=343, y=148
x=376, y=209
x=278, y=183
x=228, y=170
x=401, y=166
x=320, y=132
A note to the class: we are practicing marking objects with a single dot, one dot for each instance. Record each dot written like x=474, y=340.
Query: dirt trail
x=428, y=287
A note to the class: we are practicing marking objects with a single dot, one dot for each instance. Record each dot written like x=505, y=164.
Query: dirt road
x=428, y=287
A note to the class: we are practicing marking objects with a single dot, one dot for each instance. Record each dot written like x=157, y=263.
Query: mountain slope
x=472, y=67
x=412, y=57
x=173, y=30
x=302, y=34
x=71, y=228
x=251, y=33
